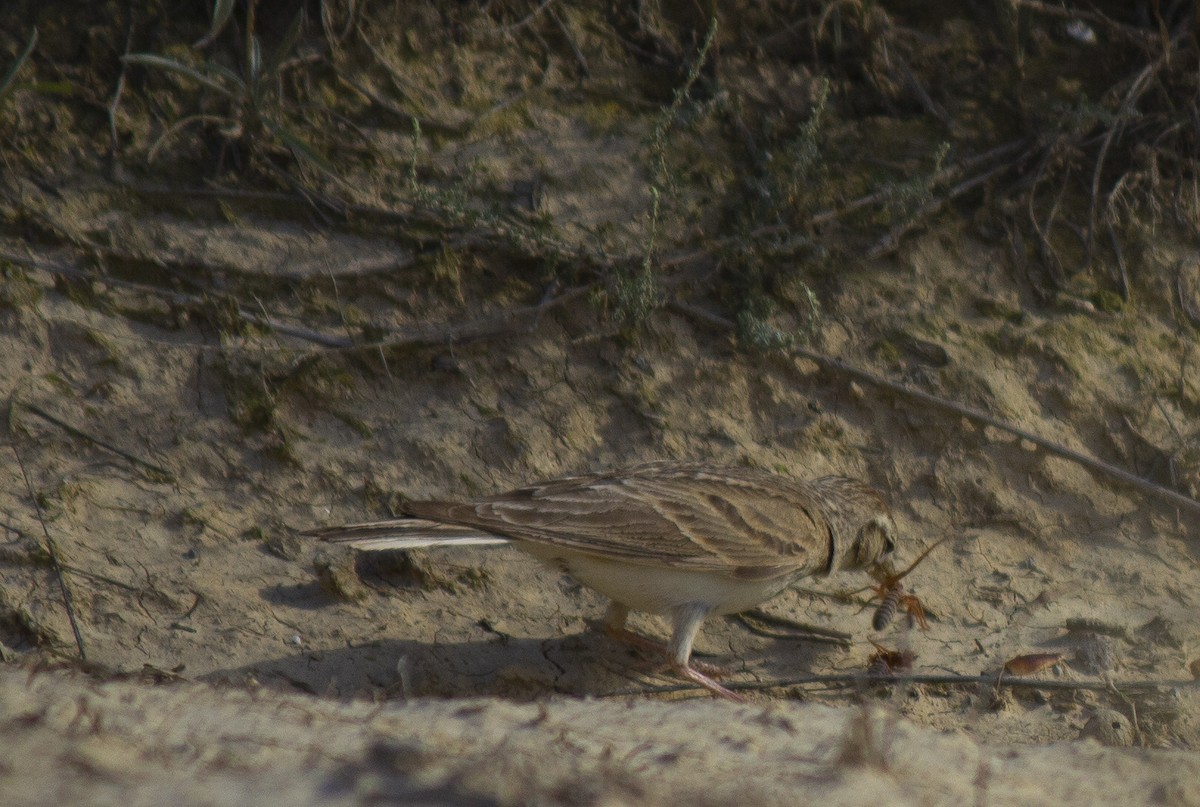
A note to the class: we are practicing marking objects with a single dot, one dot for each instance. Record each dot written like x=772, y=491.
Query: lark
x=687, y=541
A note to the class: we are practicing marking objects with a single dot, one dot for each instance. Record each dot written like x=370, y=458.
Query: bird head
x=874, y=543
x=862, y=528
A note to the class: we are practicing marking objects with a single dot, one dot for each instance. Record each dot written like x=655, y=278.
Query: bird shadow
x=588, y=663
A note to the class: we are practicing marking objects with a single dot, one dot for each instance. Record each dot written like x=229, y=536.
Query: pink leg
x=686, y=622
x=692, y=674
x=614, y=627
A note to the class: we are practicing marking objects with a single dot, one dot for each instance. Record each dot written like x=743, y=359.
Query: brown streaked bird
x=687, y=541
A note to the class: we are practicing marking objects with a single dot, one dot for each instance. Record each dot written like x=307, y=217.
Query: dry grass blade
x=859, y=679
x=159, y=473
x=8, y=83
x=51, y=547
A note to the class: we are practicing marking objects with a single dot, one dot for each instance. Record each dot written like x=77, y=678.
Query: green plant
x=801, y=160
x=255, y=109
x=905, y=199
x=635, y=292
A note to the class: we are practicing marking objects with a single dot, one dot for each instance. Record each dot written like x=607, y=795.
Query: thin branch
x=1136, y=89
x=160, y=473
x=51, y=546
x=945, y=175
x=837, y=365
x=53, y=267
x=434, y=335
x=521, y=23
x=761, y=623
x=119, y=89
x=861, y=680
x=580, y=59
x=891, y=241
x=502, y=324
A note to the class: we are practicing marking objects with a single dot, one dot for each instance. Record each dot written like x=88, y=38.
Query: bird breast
x=657, y=589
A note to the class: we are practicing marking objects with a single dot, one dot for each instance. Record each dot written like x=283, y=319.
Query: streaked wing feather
x=738, y=521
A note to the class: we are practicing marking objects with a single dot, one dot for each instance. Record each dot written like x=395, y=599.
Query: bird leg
x=613, y=626
x=686, y=622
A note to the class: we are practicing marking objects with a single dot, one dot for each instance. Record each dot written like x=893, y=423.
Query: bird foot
x=696, y=671
x=657, y=648
x=692, y=674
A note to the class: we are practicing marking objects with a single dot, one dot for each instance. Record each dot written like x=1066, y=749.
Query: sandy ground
x=202, y=577
x=69, y=741
x=167, y=455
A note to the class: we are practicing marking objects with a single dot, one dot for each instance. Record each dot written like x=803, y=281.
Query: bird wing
x=741, y=522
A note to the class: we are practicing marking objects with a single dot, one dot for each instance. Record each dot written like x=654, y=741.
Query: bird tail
x=403, y=533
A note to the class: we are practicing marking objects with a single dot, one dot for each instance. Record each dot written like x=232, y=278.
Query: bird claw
x=698, y=672
x=692, y=674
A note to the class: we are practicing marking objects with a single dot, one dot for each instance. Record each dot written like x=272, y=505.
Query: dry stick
x=118, y=91
x=54, y=267
x=859, y=679
x=580, y=60
x=1045, y=250
x=830, y=363
x=758, y=622
x=1136, y=89
x=158, y=470
x=419, y=336
x=891, y=241
x=915, y=86
x=457, y=333
x=415, y=214
x=51, y=548
x=945, y=175
x=877, y=197
x=521, y=23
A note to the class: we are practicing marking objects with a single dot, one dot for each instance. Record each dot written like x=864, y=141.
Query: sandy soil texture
x=70, y=741
x=180, y=402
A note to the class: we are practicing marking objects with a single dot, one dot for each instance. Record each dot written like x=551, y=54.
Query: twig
x=160, y=473
x=120, y=87
x=1045, y=249
x=830, y=363
x=53, y=267
x=945, y=175
x=414, y=337
x=580, y=60
x=926, y=101
x=891, y=241
x=51, y=546
x=757, y=621
x=861, y=679
x=521, y=23
x=473, y=330
x=1136, y=89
